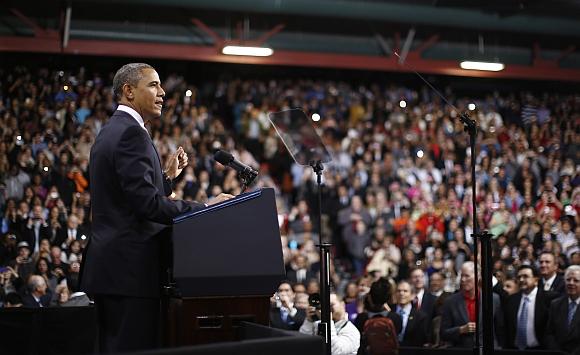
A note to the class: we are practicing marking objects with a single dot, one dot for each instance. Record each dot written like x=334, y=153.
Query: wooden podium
x=227, y=262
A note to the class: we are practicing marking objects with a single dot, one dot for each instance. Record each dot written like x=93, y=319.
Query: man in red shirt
x=458, y=314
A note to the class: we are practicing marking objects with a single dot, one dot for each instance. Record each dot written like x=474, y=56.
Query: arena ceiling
x=535, y=39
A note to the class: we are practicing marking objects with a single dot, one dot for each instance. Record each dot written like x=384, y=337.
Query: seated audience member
x=345, y=338
x=550, y=280
x=37, y=296
x=563, y=327
x=458, y=313
x=526, y=312
x=283, y=313
x=415, y=323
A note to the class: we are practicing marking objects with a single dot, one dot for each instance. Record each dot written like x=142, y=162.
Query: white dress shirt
x=548, y=283
x=133, y=114
x=530, y=331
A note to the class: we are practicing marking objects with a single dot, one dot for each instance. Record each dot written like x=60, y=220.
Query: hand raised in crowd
x=177, y=161
x=313, y=313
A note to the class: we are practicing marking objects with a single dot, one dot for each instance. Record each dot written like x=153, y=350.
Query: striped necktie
x=521, y=335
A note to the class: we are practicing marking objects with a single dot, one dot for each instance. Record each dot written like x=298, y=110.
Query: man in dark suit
x=550, y=279
x=563, y=328
x=283, y=314
x=36, y=229
x=458, y=313
x=526, y=312
x=415, y=327
x=424, y=300
x=299, y=272
x=130, y=215
x=37, y=296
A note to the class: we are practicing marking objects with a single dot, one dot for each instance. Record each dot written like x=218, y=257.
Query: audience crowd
x=397, y=198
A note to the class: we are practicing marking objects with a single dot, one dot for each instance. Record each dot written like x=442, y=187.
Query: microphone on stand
x=247, y=173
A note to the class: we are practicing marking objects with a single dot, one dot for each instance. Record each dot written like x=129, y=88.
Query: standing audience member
x=458, y=313
x=345, y=338
x=563, y=328
x=415, y=328
x=550, y=279
x=526, y=312
x=424, y=300
x=284, y=314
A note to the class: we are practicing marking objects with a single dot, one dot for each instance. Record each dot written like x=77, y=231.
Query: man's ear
x=128, y=91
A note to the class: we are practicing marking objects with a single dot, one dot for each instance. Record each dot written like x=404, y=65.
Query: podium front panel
x=232, y=248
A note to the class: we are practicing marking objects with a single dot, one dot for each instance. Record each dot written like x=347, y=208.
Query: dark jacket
x=454, y=315
x=560, y=336
x=130, y=212
x=417, y=330
x=512, y=305
x=558, y=286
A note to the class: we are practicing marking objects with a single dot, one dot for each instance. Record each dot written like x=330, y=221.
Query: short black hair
x=380, y=292
x=128, y=74
x=531, y=267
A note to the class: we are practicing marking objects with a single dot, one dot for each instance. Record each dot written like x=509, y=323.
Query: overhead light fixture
x=488, y=66
x=249, y=51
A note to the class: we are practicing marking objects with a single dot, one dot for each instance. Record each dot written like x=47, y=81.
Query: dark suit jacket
x=294, y=322
x=454, y=315
x=28, y=301
x=558, y=335
x=291, y=276
x=130, y=212
x=428, y=304
x=540, y=316
x=417, y=331
x=558, y=286
x=29, y=236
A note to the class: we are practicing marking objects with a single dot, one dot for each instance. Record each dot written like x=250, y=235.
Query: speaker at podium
x=227, y=262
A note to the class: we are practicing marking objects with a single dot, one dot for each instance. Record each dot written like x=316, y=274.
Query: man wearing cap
x=23, y=264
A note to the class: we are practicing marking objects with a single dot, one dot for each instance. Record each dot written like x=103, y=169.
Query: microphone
x=227, y=159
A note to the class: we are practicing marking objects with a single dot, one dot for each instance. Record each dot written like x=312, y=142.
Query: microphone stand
x=470, y=126
x=324, y=325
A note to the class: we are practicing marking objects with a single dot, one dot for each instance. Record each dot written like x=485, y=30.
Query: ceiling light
x=482, y=66
x=251, y=51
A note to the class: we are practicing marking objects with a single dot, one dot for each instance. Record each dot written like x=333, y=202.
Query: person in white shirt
x=345, y=338
x=527, y=311
x=550, y=280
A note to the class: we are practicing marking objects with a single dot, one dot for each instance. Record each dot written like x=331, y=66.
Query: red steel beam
x=38, y=31
x=217, y=39
x=284, y=58
x=263, y=38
